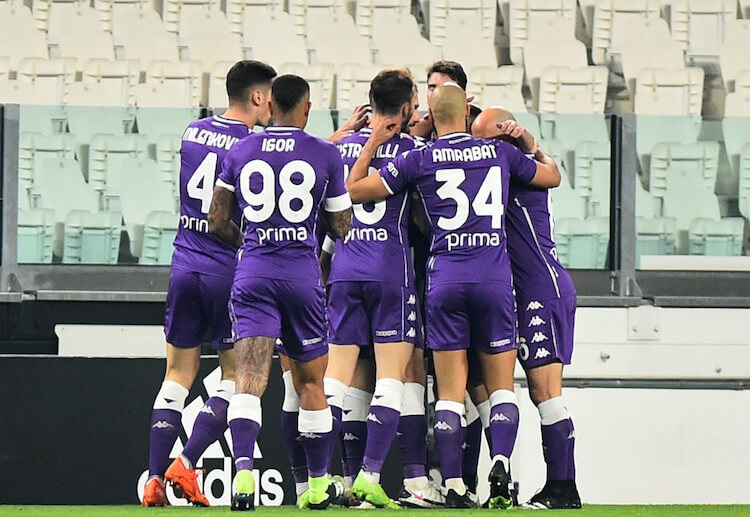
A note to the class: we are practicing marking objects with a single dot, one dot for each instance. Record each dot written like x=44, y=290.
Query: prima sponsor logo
x=366, y=235
x=472, y=240
x=196, y=224
x=534, y=306
x=392, y=169
x=290, y=233
x=538, y=337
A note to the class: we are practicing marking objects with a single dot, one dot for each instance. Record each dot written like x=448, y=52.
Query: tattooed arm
x=339, y=222
x=220, y=221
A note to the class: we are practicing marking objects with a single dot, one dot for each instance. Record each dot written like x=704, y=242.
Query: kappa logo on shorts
x=443, y=426
x=411, y=332
x=385, y=333
x=534, y=306
x=412, y=300
x=541, y=353
x=412, y=316
x=312, y=341
x=536, y=321
x=502, y=342
x=539, y=337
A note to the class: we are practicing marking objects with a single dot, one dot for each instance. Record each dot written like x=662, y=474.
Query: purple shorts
x=363, y=313
x=545, y=329
x=480, y=316
x=292, y=311
x=197, y=304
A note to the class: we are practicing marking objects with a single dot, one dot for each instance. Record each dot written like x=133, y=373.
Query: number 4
x=492, y=188
x=201, y=183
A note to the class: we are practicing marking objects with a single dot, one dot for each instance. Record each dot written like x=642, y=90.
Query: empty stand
x=140, y=35
x=301, y=10
x=592, y=176
x=217, y=87
x=36, y=236
x=531, y=18
x=240, y=12
x=610, y=26
x=669, y=92
x=335, y=39
x=21, y=92
x=442, y=12
x=157, y=121
x=698, y=25
x=353, y=85
x=117, y=76
x=582, y=243
x=732, y=54
x=91, y=238
x=744, y=181
x=174, y=12
x=106, y=155
x=648, y=44
x=159, y=231
x=321, y=79
x=75, y=32
x=654, y=236
x=94, y=94
x=108, y=10
x=736, y=126
x=573, y=90
x=19, y=37
x=393, y=33
x=498, y=86
x=372, y=13
x=720, y=238
x=465, y=43
x=168, y=160
x=263, y=36
x=205, y=36
x=34, y=149
x=186, y=74
x=567, y=201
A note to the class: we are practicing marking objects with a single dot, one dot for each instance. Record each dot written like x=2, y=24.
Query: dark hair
x=244, y=75
x=288, y=91
x=390, y=90
x=474, y=112
x=450, y=68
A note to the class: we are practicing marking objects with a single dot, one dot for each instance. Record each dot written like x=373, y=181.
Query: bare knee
x=182, y=365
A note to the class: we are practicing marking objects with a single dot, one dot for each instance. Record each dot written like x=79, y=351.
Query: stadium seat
x=45, y=120
x=159, y=232
x=53, y=74
x=86, y=121
x=261, y=40
x=465, y=43
x=369, y=14
x=654, y=237
x=530, y=18
x=335, y=39
x=204, y=35
x=75, y=32
x=669, y=92
x=736, y=126
x=141, y=193
x=187, y=74
x=744, y=181
x=732, y=52
x=92, y=238
x=498, y=86
x=320, y=123
x=646, y=205
x=569, y=90
x=140, y=35
x=217, y=86
x=321, y=79
x=353, y=85
x=592, y=176
x=116, y=76
x=444, y=11
x=698, y=25
x=157, y=121
x=392, y=33
x=654, y=129
x=174, y=12
x=301, y=10
x=166, y=95
x=239, y=12
x=19, y=38
x=36, y=236
x=648, y=44
x=582, y=243
x=13, y=91
x=571, y=130
x=610, y=27
x=106, y=154
x=109, y=10
x=93, y=94
x=34, y=149
x=718, y=238
x=567, y=202
x=169, y=161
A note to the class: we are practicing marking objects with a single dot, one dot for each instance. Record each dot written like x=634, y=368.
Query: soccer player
x=199, y=285
x=280, y=179
x=463, y=182
x=439, y=73
x=372, y=300
x=546, y=301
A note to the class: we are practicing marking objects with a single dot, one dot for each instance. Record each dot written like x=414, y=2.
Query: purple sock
x=294, y=449
x=503, y=422
x=412, y=430
x=244, y=434
x=353, y=441
x=472, y=446
x=317, y=439
x=336, y=413
x=449, y=435
x=382, y=423
x=209, y=426
x=165, y=427
x=558, y=443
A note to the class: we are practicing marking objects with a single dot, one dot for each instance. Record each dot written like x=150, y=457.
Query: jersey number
x=487, y=202
x=262, y=204
x=201, y=183
x=360, y=212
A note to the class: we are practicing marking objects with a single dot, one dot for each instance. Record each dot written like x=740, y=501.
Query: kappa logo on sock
x=208, y=410
x=539, y=337
x=371, y=417
x=536, y=321
x=499, y=417
x=534, y=306
x=162, y=424
x=312, y=436
x=442, y=425
x=349, y=437
x=412, y=299
x=541, y=353
x=412, y=316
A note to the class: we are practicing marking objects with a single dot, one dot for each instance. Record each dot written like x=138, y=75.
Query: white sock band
x=484, y=413
x=388, y=393
x=225, y=390
x=503, y=397
x=335, y=391
x=172, y=396
x=244, y=405
x=413, y=404
x=449, y=405
x=552, y=411
x=315, y=421
x=291, y=400
x=472, y=414
x=356, y=405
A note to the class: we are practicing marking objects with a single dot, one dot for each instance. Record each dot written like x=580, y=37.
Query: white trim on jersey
x=338, y=203
x=282, y=128
x=328, y=245
x=225, y=120
x=223, y=184
x=387, y=187
x=401, y=240
x=454, y=134
x=550, y=269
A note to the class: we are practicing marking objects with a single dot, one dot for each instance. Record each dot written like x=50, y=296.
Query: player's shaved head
x=245, y=76
x=289, y=92
x=448, y=104
x=485, y=125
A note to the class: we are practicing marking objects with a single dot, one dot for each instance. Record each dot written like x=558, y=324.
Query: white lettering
x=277, y=145
x=468, y=154
x=466, y=240
x=291, y=233
x=366, y=235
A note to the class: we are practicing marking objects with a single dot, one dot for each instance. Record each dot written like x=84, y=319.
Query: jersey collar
x=453, y=135
x=282, y=128
x=219, y=118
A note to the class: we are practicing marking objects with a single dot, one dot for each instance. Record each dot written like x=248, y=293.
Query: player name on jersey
x=467, y=154
x=209, y=138
x=354, y=149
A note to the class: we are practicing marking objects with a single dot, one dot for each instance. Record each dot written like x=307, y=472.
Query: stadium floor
x=586, y=511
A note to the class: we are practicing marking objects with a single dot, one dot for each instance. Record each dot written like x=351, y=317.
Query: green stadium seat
x=654, y=237
x=717, y=237
x=567, y=201
x=592, y=176
x=652, y=130
x=744, y=182
x=646, y=205
x=169, y=160
x=106, y=154
x=155, y=122
x=159, y=232
x=33, y=149
x=320, y=123
x=571, y=130
x=582, y=243
x=46, y=120
x=36, y=236
x=530, y=121
x=92, y=238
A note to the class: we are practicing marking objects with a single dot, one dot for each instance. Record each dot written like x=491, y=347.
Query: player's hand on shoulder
x=526, y=142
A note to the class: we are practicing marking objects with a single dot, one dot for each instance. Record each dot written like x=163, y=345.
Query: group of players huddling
x=285, y=213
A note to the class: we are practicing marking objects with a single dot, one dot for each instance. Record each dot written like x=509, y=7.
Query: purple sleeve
x=399, y=173
x=226, y=178
x=337, y=197
x=522, y=168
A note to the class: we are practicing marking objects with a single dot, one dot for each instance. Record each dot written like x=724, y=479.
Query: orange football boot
x=154, y=493
x=185, y=482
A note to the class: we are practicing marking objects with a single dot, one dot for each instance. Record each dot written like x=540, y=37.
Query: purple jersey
x=463, y=182
x=205, y=143
x=537, y=272
x=281, y=177
x=377, y=246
